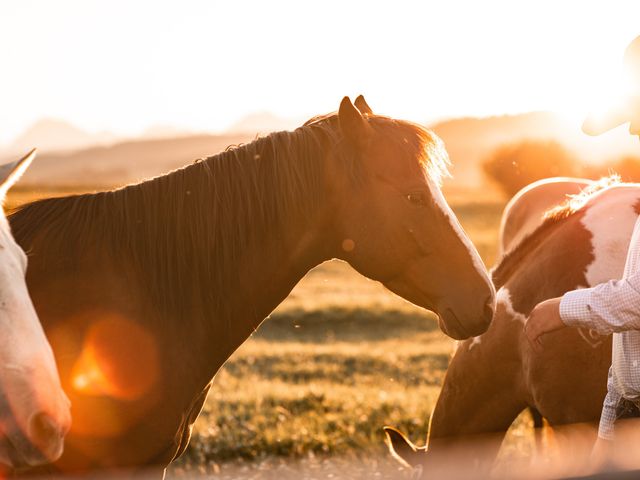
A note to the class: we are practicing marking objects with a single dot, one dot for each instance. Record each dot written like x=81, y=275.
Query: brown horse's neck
x=266, y=275
x=248, y=272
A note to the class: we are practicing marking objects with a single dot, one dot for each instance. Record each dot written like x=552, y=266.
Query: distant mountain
x=164, y=131
x=262, y=123
x=469, y=142
x=125, y=162
x=56, y=135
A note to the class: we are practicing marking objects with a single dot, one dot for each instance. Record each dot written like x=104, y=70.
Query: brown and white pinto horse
x=526, y=211
x=495, y=376
x=34, y=411
x=147, y=290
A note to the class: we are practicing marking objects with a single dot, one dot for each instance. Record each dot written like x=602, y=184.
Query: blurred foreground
x=567, y=457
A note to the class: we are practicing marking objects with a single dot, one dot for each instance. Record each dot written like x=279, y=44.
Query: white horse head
x=34, y=411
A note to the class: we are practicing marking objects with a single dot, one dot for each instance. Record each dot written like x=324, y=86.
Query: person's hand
x=601, y=454
x=544, y=318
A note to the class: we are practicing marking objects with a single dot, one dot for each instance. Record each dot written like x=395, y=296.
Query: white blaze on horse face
x=442, y=204
x=503, y=297
x=610, y=223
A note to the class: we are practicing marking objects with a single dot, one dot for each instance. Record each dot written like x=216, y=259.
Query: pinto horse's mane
x=553, y=217
x=181, y=234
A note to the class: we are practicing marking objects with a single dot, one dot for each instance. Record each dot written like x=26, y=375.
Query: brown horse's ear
x=362, y=105
x=402, y=449
x=354, y=126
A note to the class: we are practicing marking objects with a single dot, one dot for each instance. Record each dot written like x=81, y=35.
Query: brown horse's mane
x=181, y=234
x=553, y=218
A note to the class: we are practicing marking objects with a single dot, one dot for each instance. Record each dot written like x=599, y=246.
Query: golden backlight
x=203, y=65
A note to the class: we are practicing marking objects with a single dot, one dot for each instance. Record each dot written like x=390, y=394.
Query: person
x=612, y=307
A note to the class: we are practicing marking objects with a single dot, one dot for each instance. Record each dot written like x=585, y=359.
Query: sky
x=124, y=66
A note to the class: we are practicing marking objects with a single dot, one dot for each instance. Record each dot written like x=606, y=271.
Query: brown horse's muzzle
x=474, y=323
x=460, y=316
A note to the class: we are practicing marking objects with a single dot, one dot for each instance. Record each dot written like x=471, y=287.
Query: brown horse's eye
x=418, y=199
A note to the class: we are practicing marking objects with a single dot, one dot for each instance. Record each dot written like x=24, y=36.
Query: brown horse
x=147, y=290
x=493, y=377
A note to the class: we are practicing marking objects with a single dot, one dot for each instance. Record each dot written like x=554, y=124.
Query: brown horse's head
x=394, y=225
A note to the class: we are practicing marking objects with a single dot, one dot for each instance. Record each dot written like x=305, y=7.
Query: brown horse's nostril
x=44, y=432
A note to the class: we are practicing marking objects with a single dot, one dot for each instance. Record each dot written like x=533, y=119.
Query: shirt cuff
x=606, y=427
x=574, y=308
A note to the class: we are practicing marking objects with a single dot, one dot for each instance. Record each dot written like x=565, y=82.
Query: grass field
x=340, y=358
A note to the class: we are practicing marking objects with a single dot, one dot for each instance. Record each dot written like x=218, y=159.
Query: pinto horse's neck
x=487, y=382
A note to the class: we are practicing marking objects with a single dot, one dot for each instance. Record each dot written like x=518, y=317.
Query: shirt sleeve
x=609, y=307
x=608, y=417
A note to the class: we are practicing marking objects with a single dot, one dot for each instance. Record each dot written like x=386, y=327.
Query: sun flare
x=119, y=360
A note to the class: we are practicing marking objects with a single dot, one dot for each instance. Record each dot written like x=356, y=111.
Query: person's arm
x=609, y=307
x=544, y=318
x=606, y=308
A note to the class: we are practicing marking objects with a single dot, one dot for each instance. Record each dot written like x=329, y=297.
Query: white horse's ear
x=10, y=173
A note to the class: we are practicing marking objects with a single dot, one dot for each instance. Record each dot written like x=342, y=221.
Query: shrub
x=514, y=166
x=627, y=167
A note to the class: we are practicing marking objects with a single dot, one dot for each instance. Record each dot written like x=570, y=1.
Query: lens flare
x=119, y=359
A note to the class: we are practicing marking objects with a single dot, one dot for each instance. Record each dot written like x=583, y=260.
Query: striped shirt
x=613, y=307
